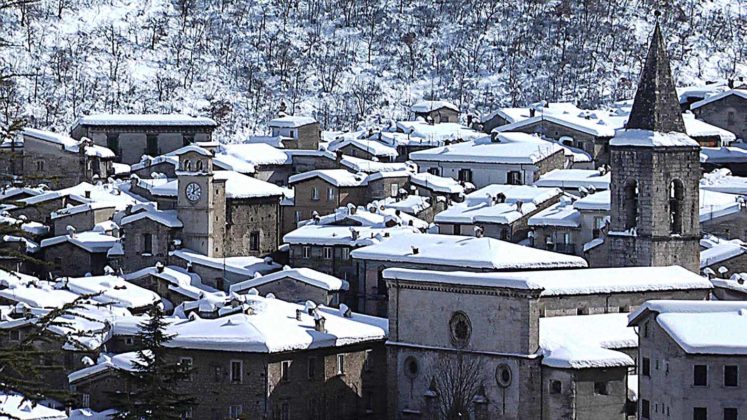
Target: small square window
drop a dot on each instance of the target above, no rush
(700, 413)
(284, 370)
(345, 254)
(556, 387)
(185, 364)
(307, 252)
(15, 335)
(237, 368)
(368, 363)
(235, 411)
(731, 375)
(731, 413)
(600, 388)
(129, 341)
(700, 375)
(327, 253)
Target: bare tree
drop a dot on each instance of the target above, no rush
(458, 380)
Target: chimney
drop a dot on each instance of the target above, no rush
(519, 203)
(415, 250)
(479, 232)
(532, 112)
(500, 198)
(338, 156)
(299, 314)
(159, 267)
(87, 193)
(319, 324)
(731, 83)
(354, 234)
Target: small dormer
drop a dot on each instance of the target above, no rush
(195, 160)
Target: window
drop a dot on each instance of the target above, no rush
(676, 200)
(185, 364)
(394, 190)
(291, 133)
(129, 341)
(284, 367)
(234, 411)
(599, 224)
(187, 414)
(556, 387)
(434, 171)
(645, 409)
(731, 375)
(307, 252)
(340, 364)
(330, 194)
(514, 178)
(285, 411)
(152, 148)
(237, 368)
(370, 404)
(730, 120)
(40, 165)
(219, 283)
(368, 362)
(600, 388)
(311, 368)
(345, 253)
(254, 241)
(646, 367)
(15, 335)
(731, 413)
(645, 329)
(147, 243)
(631, 204)
(217, 373)
(297, 216)
(315, 193)
(411, 367)
(465, 175)
(85, 400)
(700, 375)
(700, 413)
(112, 142)
(327, 253)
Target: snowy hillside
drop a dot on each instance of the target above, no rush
(341, 60)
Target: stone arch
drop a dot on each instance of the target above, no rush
(630, 203)
(676, 205)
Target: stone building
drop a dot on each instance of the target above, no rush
(148, 235)
(727, 110)
(692, 360)
(655, 176)
(61, 161)
(496, 211)
(82, 217)
(563, 350)
(296, 132)
(297, 285)
(130, 136)
(76, 254)
(258, 361)
(436, 111)
(509, 158)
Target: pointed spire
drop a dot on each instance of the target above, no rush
(656, 107)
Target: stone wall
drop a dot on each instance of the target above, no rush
(244, 216)
(66, 259)
(82, 221)
(133, 244)
(717, 113)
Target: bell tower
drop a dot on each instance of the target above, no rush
(201, 202)
(655, 176)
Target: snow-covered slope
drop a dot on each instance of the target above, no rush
(343, 60)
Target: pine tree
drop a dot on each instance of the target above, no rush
(152, 384)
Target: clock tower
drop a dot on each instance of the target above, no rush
(201, 202)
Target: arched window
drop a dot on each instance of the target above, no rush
(198, 165)
(631, 204)
(676, 198)
(187, 165)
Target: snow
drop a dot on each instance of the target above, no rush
(570, 355)
(437, 183)
(428, 106)
(93, 242)
(721, 180)
(372, 216)
(291, 122)
(513, 115)
(559, 214)
(247, 266)
(328, 235)
(464, 251)
(423, 134)
(368, 166)
(593, 244)
(609, 331)
(270, 326)
(481, 207)
(14, 407)
(698, 128)
(714, 205)
(721, 155)
(412, 205)
(574, 179)
(255, 153)
(181, 281)
(237, 186)
(509, 148)
(69, 144)
(82, 208)
(597, 201)
(138, 120)
(122, 361)
(700, 91)
(741, 93)
(106, 193)
(373, 147)
(167, 218)
(597, 127)
(336, 177)
(303, 275)
(705, 332)
(589, 281)
(7, 192)
(33, 292)
(719, 251)
(111, 290)
(646, 138)
(193, 148)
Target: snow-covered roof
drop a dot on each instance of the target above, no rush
(445, 185)
(291, 121)
(647, 138)
(304, 275)
(167, 218)
(122, 361)
(574, 179)
(108, 193)
(94, 242)
(181, 281)
(412, 204)
(698, 128)
(591, 281)
(464, 251)
(373, 147)
(517, 114)
(716, 155)
(721, 180)
(111, 290)
(193, 148)
(598, 201)
(255, 153)
(701, 327)
(509, 148)
(719, 250)
(428, 106)
(424, 134)
(138, 120)
(353, 236)
(270, 326)
(82, 208)
(596, 125)
(559, 214)
(247, 266)
(715, 204)
(742, 93)
(373, 215)
(369, 166)
(482, 206)
(589, 341)
(336, 177)
(7, 192)
(68, 143)
(701, 91)
(16, 406)
(32, 291)
(237, 186)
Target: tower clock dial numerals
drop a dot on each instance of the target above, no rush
(193, 191)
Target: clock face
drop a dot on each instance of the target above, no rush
(193, 191)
